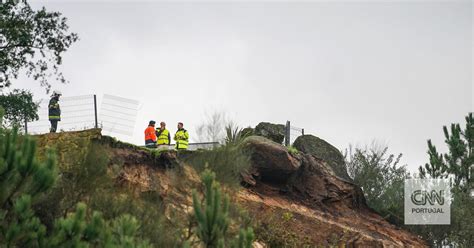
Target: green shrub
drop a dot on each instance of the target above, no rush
(292, 150)
(147, 207)
(79, 229)
(272, 229)
(78, 181)
(226, 161)
(235, 134)
(381, 178)
(156, 152)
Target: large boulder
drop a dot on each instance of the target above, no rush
(275, 132)
(271, 162)
(303, 176)
(315, 146)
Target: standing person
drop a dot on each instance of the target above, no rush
(181, 137)
(163, 136)
(54, 112)
(150, 135)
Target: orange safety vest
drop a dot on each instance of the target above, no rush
(150, 133)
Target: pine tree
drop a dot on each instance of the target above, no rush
(77, 230)
(458, 164)
(459, 161)
(23, 179)
(212, 216)
(212, 212)
(245, 239)
(20, 172)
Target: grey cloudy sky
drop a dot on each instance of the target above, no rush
(346, 72)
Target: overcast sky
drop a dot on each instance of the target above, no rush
(346, 72)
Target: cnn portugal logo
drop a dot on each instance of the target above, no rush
(427, 202)
(423, 197)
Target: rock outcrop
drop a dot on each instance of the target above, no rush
(322, 203)
(275, 132)
(304, 177)
(317, 147)
(309, 144)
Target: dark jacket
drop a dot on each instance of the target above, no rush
(54, 111)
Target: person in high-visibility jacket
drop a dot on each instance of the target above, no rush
(54, 112)
(163, 136)
(150, 135)
(181, 137)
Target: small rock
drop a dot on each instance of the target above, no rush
(258, 244)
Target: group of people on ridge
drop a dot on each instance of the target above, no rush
(160, 137)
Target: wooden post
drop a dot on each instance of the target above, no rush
(287, 133)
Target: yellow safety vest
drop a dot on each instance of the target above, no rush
(163, 139)
(181, 137)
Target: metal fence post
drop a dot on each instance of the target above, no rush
(95, 111)
(26, 126)
(287, 133)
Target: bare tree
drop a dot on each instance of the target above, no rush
(213, 127)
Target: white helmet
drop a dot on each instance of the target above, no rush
(57, 93)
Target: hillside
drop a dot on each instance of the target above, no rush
(291, 199)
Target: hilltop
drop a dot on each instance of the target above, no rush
(293, 199)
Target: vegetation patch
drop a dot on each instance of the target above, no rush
(226, 161)
(293, 151)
